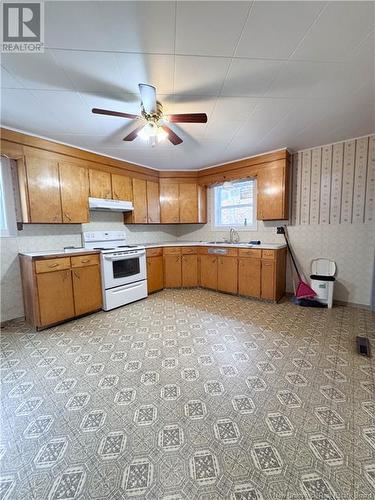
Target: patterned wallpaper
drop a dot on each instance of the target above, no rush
(334, 184)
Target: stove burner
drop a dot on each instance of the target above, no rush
(101, 248)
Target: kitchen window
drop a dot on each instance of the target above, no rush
(234, 205)
(8, 225)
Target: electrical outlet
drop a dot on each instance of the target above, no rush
(280, 230)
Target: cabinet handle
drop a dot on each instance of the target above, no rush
(115, 195)
(53, 265)
(85, 260)
(67, 216)
(76, 275)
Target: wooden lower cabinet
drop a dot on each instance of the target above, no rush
(60, 288)
(55, 296)
(155, 275)
(172, 271)
(208, 274)
(87, 289)
(249, 269)
(189, 269)
(227, 274)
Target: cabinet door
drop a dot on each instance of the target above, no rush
(249, 276)
(227, 274)
(172, 271)
(44, 190)
(87, 289)
(189, 270)
(188, 199)
(268, 279)
(153, 202)
(139, 216)
(272, 192)
(122, 188)
(100, 184)
(155, 278)
(74, 184)
(169, 207)
(55, 294)
(208, 267)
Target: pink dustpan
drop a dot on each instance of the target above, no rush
(304, 291)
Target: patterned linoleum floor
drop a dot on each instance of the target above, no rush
(190, 395)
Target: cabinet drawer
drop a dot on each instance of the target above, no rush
(269, 254)
(48, 265)
(85, 260)
(154, 252)
(250, 252)
(172, 251)
(189, 250)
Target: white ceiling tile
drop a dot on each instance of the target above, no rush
(274, 29)
(8, 81)
(199, 76)
(233, 108)
(341, 26)
(209, 28)
(249, 77)
(224, 129)
(21, 110)
(90, 71)
(298, 79)
(36, 71)
(110, 25)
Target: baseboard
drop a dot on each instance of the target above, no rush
(343, 303)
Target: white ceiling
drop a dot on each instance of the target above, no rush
(268, 75)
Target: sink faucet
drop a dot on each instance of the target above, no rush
(234, 237)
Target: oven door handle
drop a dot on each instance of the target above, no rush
(125, 257)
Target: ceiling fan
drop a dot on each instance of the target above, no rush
(153, 126)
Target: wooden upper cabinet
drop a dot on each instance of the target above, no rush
(122, 188)
(74, 185)
(169, 203)
(100, 184)
(273, 191)
(43, 187)
(153, 202)
(188, 200)
(139, 201)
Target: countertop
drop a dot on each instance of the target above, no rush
(59, 253)
(264, 246)
(81, 251)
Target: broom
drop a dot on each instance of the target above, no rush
(303, 290)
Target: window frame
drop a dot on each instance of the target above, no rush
(7, 199)
(241, 227)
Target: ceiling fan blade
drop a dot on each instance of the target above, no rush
(113, 113)
(134, 133)
(148, 97)
(171, 135)
(187, 118)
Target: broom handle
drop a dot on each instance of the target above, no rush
(291, 253)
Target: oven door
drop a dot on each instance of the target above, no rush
(123, 269)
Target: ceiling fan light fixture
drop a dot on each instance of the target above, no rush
(152, 133)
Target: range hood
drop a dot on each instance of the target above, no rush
(110, 205)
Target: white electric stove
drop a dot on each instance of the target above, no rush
(124, 272)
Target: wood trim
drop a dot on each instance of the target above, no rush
(17, 141)
(14, 145)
